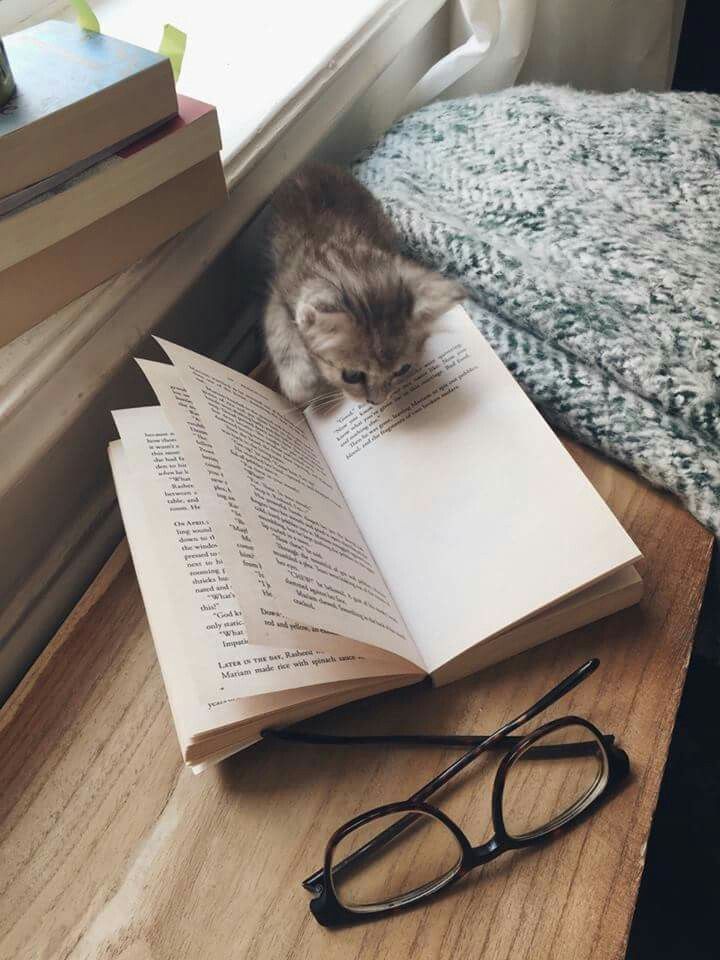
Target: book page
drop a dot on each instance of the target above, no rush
(477, 515)
(237, 720)
(192, 573)
(290, 546)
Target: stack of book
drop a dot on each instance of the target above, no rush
(100, 163)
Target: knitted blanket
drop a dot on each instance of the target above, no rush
(586, 228)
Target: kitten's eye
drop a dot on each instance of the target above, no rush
(353, 376)
(405, 368)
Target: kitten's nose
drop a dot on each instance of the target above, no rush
(376, 395)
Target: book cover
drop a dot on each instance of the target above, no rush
(57, 64)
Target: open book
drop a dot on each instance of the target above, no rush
(290, 562)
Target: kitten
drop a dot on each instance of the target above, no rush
(347, 312)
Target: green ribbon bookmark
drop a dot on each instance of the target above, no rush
(84, 16)
(172, 46)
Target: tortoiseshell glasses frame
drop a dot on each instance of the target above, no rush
(328, 907)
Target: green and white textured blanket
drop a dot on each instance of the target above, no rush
(586, 228)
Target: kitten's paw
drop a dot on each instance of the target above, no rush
(298, 388)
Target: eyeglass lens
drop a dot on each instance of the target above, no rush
(419, 859)
(552, 781)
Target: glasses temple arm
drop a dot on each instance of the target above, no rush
(422, 740)
(400, 739)
(558, 691)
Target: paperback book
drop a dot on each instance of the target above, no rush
(292, 561)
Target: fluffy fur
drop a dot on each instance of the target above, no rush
(346, 312)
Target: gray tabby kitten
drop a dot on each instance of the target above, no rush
(347, 312)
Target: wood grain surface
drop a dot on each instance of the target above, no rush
(110, 848)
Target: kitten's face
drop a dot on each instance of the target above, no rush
(364, 367)
(367, 333)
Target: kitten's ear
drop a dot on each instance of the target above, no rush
(305, 317)
(320, 329)
(434, 294)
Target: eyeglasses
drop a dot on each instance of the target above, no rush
(394, 856)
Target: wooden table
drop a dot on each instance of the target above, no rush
(110, 848)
